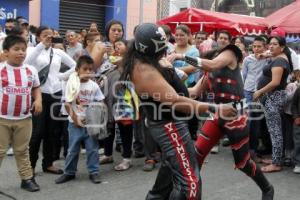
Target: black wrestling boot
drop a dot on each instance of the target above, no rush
(269, 195)
(265, 186)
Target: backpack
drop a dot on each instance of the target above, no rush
(127, 104)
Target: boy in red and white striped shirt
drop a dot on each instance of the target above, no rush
(18, 82)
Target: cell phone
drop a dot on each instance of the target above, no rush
(56, 40)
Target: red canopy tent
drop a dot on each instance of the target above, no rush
(286, 18)
(209, 21)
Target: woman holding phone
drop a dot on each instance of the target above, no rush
(44, 57)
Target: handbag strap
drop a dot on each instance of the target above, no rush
(51, 56)
(48, 66)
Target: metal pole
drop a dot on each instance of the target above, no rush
(141, 11)
(216, 5)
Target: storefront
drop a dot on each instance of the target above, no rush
(76, 14)
(13, 9)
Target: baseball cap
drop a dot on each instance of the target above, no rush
(23, 21)
(278, 32)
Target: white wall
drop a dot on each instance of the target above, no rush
(176, 5)
(35, 12)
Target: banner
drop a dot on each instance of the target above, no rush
(13, 9)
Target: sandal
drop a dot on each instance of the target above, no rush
(271, 168)
(105, 160)
(124, 165)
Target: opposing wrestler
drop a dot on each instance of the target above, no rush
(223, 84)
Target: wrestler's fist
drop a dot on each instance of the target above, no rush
(227, 112)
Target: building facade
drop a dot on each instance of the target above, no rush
(247, 7)
(261, 8)
(76, 14)
(12, 9)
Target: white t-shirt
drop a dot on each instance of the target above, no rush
(2, 38)
(89, 93)
(295, 59)
(16, 84)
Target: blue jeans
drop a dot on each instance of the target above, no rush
(254, 125)
(76, 136)
(249, 96)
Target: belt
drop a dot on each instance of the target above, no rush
(241, 106)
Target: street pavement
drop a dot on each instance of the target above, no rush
(220, 182)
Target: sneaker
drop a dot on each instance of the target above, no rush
(105, 160)
(95, 178)
(101, 151)
(149, 165)
(10, 152)
(215, 149)
(83, 151)
(124, 165)
(30, 185)
(64, 178)
(297, 169)
(225, 142)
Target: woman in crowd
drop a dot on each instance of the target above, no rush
(90, 47)
(182, 46)
(271, 92)
(100, 51)
(126, 133)
(42, 56)
(182, 35)
(240, 43)
(114, 31)
(93, 27)
(159, 87)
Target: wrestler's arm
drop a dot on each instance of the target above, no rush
(189, 69)
(148, 80)
(199, 88)
(226, 58)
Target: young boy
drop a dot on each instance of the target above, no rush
(17, 83)
(88, 92)
(251, 71)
